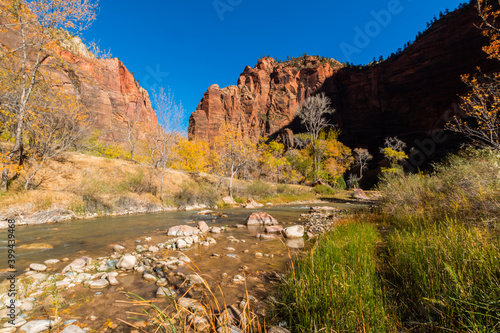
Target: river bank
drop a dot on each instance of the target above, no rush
(227, 255)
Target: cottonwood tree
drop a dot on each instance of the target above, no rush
(60, 123)
(362, 157)
(481, 105)
(393, 151)
(162, 140)
(234, 152)
(130, 125)
(313, 115)
(34, 28)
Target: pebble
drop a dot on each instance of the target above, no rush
(39, 277)
(149, 277)
(215, 230)
(215, 255)
(258, 255)
(231, 255)
(191, 304)
(200, 324)
(112, 280)
(238, 279)
(230, 249)
(38, 267)
(228, 329)
(195, 279)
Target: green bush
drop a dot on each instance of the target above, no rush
(324, 190)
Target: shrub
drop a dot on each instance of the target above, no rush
(324, 190)
(138, 183)
(196, 193)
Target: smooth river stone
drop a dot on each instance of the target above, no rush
(37, 326)
(127, 262)
(51, 262)
(38, 267)
(98, 284)
(165, 292)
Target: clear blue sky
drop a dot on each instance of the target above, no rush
(189, 45)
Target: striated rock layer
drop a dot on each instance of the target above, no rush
(410, 95)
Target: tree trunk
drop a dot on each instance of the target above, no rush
(5, 179)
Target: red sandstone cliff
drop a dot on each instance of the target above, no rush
(409, 95)
(105, 86)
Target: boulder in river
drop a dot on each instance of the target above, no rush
(183, 230)
(261, 218)
(297, 231)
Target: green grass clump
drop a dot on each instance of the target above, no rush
(335, 286)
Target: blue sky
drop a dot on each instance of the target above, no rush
(189, 45)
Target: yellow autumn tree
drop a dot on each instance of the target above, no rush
(336, 157)
(272, 159)
(34, 28)
(193, 156)
(481, 105)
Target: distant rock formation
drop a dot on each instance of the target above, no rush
(410, 95)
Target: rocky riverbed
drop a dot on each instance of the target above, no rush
(195, 276)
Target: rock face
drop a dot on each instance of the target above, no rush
(409, 95)
(106, 87)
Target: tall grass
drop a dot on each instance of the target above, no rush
(335, 286)
(447, 277)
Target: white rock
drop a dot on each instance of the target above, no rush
(153, 249)
(149, 277)
(199, 323)
(190, 304)
(98, 284)
(182, 230)
(51, 262)
(195, 279)
(127, 262)
(203, 226)
(37, 326)
(181, 244)
(8, 330)
(112, 280)
(72, 329)
(261, 218)
(38, 267)
(77, 264)
(26, 305)
(165, 292)
(296, 231)
(215, 230)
